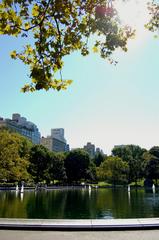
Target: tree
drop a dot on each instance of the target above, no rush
(154, 151)
(14, 154)
(152, 166)
(133, 155)
(153, 24)
(56, 29)
(98, 159)
(39, 158)
(56, 169)
(91, 173)
(77, 165)
(113, 170)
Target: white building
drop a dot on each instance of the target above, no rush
(56, 142)
(22, 126)
(53, 144)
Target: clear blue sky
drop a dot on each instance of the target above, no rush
(106, 105)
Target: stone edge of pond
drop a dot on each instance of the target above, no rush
(79, 224)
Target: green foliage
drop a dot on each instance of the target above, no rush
(20, 160)
(58, 28)
(102, 184)
(152, 164)
(91, 172)
(153, 24)
(78, 165)
(45, 165)
(39, 158)
(98, 159)
(113, 170)
(14, 154)
(154, 151)
(133, 155)
(139, 183)
(55, 168)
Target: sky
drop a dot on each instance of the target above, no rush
(107, 105)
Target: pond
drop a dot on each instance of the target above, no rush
(80, 203)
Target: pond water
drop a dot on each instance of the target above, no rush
(80, 203)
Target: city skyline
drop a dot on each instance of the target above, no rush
(26, 128)
(107, 105)
(56, 134)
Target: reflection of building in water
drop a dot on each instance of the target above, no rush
(153, 188)
(129, 197)
(21, 196)
(22, 126)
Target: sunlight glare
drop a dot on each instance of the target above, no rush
(133, 13)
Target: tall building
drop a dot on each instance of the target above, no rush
(90, 148)
(56, 142)
(22, 126)
(98, 150)
(58, 133)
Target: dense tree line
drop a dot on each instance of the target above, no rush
(20, 160)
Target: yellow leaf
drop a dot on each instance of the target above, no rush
(95, 49)
(7, 28)
(13, 54)
(35, 10)
(27, 25)
(69, 81)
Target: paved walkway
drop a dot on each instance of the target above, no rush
(86, 235)
(79, 224)
(91, 229)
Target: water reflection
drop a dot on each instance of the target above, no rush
(80, 203)
(21, 196)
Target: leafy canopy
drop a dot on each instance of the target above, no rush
(114, 170)
(56, 28)
(14, 155)
(133, 155)
(77, 165)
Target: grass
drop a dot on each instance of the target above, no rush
(139, 183)
(102, 184)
